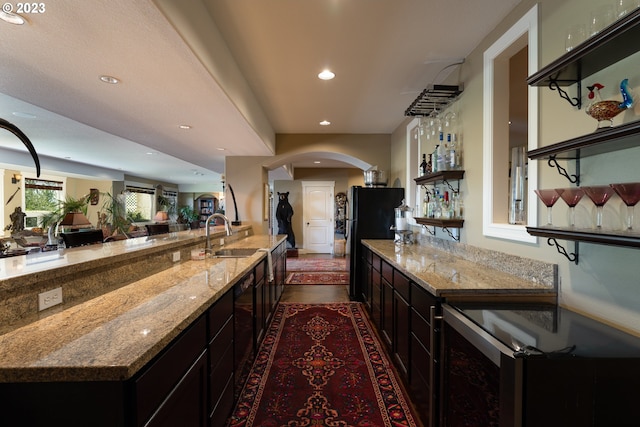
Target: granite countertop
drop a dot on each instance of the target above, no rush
(87, 257)
(109, 338)
(449, 276)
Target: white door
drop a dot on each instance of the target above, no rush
(317, 216)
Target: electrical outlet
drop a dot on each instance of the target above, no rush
(246, 232)
(176, 256)
(222, 242)
(49, 298)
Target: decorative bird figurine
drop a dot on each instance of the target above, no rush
(607, 110)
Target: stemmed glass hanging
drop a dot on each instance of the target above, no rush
(630, 195)
(571, 197)
(599, 195)
(549, 198)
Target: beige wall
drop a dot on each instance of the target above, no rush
(248, 177)
(343, 178)
(373, 149)
(75, 187)
(604, 284)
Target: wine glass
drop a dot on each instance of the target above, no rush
(549, 198)
(571, 197)
(599, 195)
(630, 195)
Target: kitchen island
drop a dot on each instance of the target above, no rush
(103, 351)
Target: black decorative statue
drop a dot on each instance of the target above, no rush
(284, 212)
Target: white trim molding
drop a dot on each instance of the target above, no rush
(525, 29)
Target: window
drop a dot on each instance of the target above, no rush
(519, 39)
(139, 203)
(41, 196)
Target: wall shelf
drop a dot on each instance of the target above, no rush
(599, 142)
(439, 176)
(614, 43)
(604, 237)
(432, 99)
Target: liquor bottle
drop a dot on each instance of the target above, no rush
(452, 157)
(434, 160)
(423, 165)
(440, 153)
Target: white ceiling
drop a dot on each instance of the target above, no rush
(384, 52)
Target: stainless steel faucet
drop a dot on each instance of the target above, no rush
(227, 228)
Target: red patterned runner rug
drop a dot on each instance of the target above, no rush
(316, 264)
(318, 278)
(321, 365)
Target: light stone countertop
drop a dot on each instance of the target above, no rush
(87, 257)
(449, 276)
(114, 335)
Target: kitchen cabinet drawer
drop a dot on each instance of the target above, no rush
(186, 405)
(421, 329)
(420, 380)
(156, 382)
(402, 285)
(219, 314)
(422, 301)
(375, 261)
(220, 375)
(224, 406)
(260, 270)
(218, 346)
(387, 271)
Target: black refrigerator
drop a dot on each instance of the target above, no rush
(371, 215)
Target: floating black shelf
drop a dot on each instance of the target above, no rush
(605, 237)
(599, 142)
(614, 43)
(439, 222)
(439, 176)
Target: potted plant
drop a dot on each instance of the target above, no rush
(69, 205)
(188, 215)
(113, 216)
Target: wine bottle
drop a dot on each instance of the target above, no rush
(423, 165)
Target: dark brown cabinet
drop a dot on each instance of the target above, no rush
(423, 378)
(180, 369)
(220, 346)
(192, 382)
(404, 314)
(387, 310)
(401, 321)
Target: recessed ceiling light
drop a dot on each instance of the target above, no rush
(184, 127)
(23, 115)
(221, 149)
(325, 123)
(109, 79)
(317, 162)
(8, 16)
(326, 75)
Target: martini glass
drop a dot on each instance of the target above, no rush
(571, 197)
(599, 195)
(549, 198)
(630, 195)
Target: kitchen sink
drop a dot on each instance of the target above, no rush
(234, 253)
